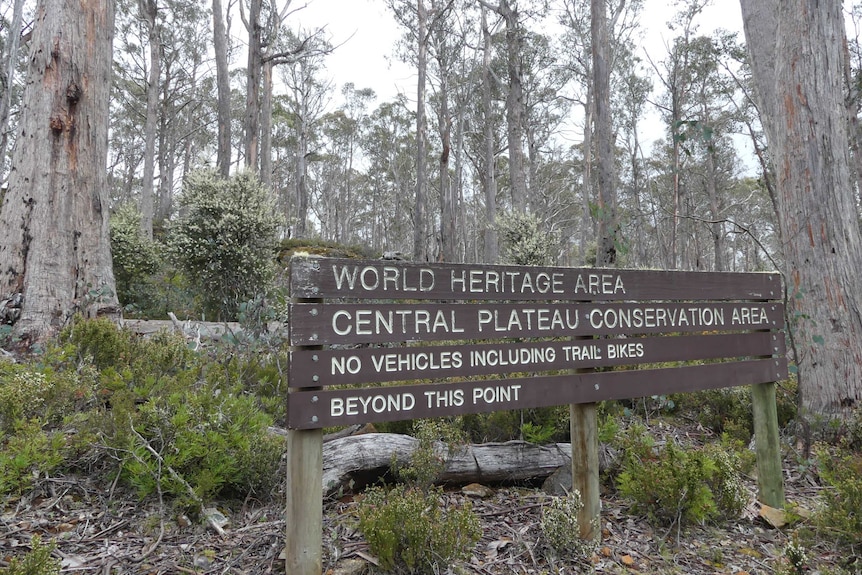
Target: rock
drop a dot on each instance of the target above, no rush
(477, 490)
(559, 482)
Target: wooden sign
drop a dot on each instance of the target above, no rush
(322, 367)
(383, 341)
(316, 324)
(311, 409)
(392, 280)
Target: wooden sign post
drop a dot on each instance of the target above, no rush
(362, 330)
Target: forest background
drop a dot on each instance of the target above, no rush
(159, 157)
(524, 143)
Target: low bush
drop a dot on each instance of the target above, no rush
(674, 484)
(559, 525)
(38, 561)
(174, 421)
(840, 518)
(409, 530)
(406, 526)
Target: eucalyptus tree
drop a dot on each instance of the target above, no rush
(309, 95)
(675, 75)
(621, 24)
(148, 11)
(631, 90)
(10, 59)
(348, 203)
(488, 174)
(158, 101)
(55, 255)
(446, 43)
(264, 21)
(544, 76)
(798, 62)
(607, 232)
(389, 146)
(221, 49)
(513, 19)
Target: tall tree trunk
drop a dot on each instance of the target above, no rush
(252, 88)
(716, 227)
(797, 61)
(149, 14)
(515, 106)
(54, 248)
(489, 181)
(608, 228)
(448, 234)
(301, 160)
(223, 87)
(266, 126)
(9, 63)
(419, 210)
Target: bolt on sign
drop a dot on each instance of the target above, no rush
(381, 340)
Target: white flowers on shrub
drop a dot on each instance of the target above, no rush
(225, 239)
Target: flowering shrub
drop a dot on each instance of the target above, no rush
(225, 239)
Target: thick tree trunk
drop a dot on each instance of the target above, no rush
(54, 248)
(223, 86)
(797, 59)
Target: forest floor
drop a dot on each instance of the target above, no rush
(102, 529)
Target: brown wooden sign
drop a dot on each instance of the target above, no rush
(317, 324)
(392, 280)
(323, 367)
(459, 330)
(312, 409)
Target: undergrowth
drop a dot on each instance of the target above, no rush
(171, 421)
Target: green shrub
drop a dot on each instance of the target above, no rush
(427, 462)
(27, 453)
(674, 484)
(215, 439)
(841, 515)
(136, 258)
(172, 418)
(225, 239)
(38, 561)
(408, 529)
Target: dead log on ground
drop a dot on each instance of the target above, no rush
(361, 459)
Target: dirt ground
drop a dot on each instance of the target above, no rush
(101, 529)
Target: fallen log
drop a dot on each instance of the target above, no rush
(355, 461)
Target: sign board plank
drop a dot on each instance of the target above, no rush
(321, 408)
(312, 368)
(312, 277)
(318, 324)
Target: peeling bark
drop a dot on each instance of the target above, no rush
(54, 248)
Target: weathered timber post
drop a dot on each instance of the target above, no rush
(770, 482)
(304, 493)
(585, 467)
